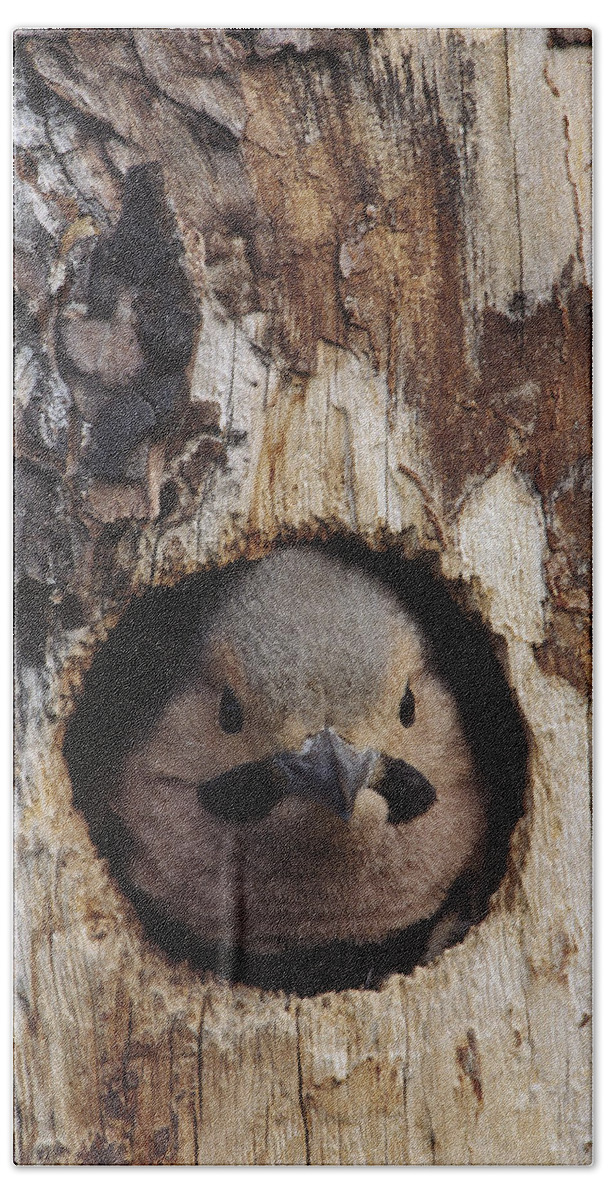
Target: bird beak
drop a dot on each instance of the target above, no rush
(327, 770)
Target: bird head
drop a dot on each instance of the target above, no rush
(309, 663)
(301, 778)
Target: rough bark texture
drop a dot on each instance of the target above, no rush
(378, 246)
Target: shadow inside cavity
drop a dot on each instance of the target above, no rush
(133, 676)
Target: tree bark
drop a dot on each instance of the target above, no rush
(379, 245)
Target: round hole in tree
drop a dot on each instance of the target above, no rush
(303, 770)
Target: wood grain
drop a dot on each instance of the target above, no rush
(388, 238)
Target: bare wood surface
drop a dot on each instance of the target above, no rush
(388, 239)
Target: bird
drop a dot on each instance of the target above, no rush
(301, 804)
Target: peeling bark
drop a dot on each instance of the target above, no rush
(377, 245)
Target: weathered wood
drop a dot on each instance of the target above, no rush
(387, 238)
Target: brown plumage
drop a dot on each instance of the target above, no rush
(304, 771)
(302, 644)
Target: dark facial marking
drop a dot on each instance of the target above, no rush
(407, 790)
(245, 793)
(407, 708)
(231, 712)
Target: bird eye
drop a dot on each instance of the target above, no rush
(231, 712)
(407, 708)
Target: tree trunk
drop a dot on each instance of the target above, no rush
(382, 269)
